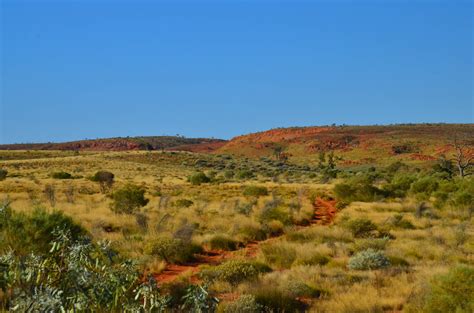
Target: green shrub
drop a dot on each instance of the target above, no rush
(172, 250)
(244, 304)
(199, 178)
(234, 271)
(251, 232)
(424, 187)
(220, 242)
(33, 232)
(3, 174)
(61, 175)
(183, 203)
(360, 227)
(274, 228)
(398, 261)
(244, 174)
(452, 292)
(369, 259)
(255, 191)
(128, 199)
(276, 300)
(278, 254)
(105, 180)
(399, 185)
(399, 222)
(358, 189)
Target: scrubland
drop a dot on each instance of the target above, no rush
(243, 231)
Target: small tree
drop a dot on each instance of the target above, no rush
(128, 199)
(105, 180)
(463, 157)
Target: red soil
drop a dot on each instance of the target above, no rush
(324, 213)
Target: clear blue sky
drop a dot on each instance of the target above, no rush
(88, 69)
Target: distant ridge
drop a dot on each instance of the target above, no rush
(126, 143)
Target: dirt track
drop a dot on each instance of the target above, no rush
(324, 213)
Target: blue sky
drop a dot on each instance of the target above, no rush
(89, 69)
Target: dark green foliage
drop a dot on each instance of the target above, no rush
(128, 199)
(452, 292)
(424, 187)
(255, 191)
(105, 180)
(399, 185)
(3, 174)
(244, 174)
(33, 232)
(172, 250)
(220, 242)
(75, 275)
(234, 271)
(360, 227)
(183, 203)
(198, 300)
(358, 189)
(199, 178)
(61, 175)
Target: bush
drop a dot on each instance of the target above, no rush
(199, 178)
(234, 271)
(220, 242)
(452, 292)
(276, 300)
(255, 191)
(360, 227)
(274, 228)
(424, 187)
(244, 304)
(183, 203)
(61, 175)
(251, 232)
(280, 255)
(399, 222)
(3, 174)
(358, 189)
(399, 185)
(369, 259)
(128, 199)
(105, 180)
(172, 250)
(244, 174)
(33, 232)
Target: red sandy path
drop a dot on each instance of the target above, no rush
(324, 213)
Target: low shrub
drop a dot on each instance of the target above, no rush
(399, 222)
(61, 175)
(172, 250)
(244, 304)
(234, 271)
(3, 174)
(128, 199)
(360, 227)
(358, 189)
(452, 292)
(199, 178)
(255, 191)
(183, 203)
(369, 259)
(251, 232)
(279, 254)
(244, 174)
(274, 228)
(105, 180)
(221, 242)
(398, 261)
(314, 259)
(276, 300)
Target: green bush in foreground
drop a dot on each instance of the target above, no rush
(368, 260)
(452, 292)
(128, 199)
(360, 227)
